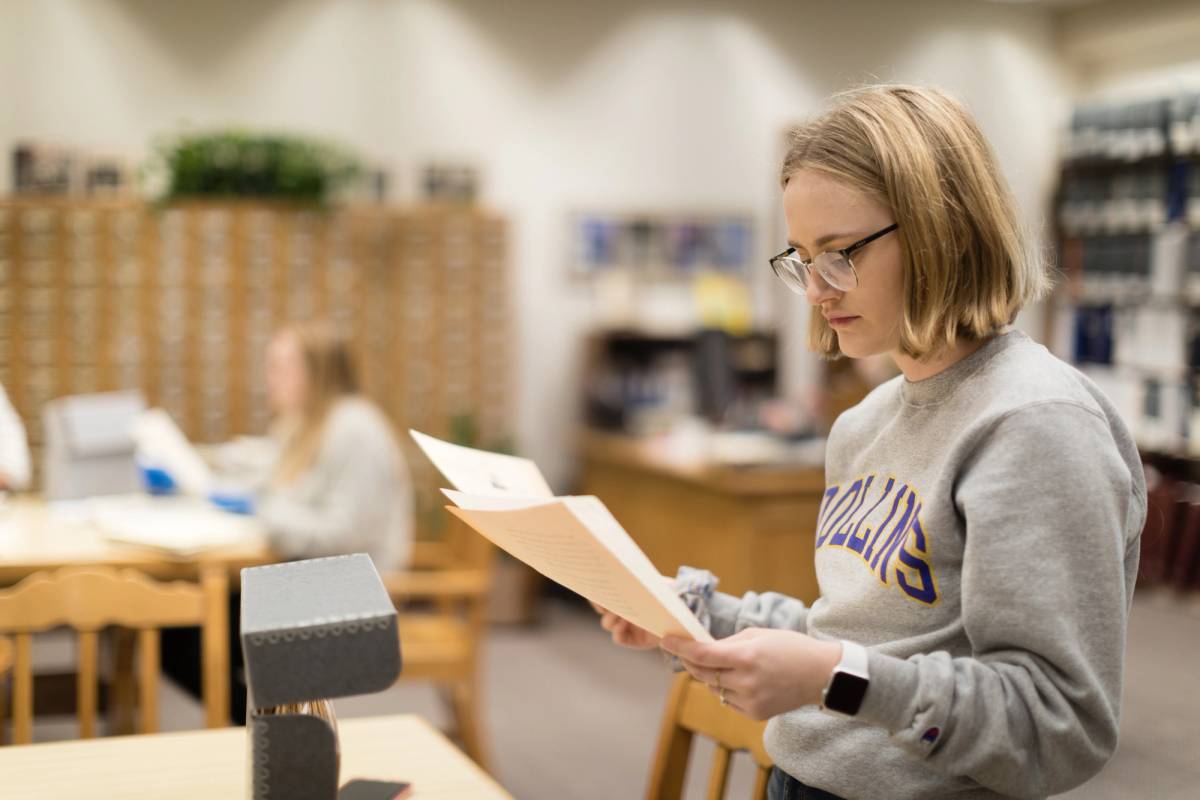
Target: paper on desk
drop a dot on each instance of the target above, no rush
(182, 526)
(160, 441)
(482, 473)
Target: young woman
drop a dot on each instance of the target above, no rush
(339, 484)
(978, 540)
(332, 480)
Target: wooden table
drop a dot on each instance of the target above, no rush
(753, 527)
(212, 764)
(33, 537)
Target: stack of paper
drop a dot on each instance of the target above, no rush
(574, 541)
(182, 526)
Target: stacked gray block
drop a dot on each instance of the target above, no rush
(310, 630)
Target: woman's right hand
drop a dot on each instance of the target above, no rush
(624, 632)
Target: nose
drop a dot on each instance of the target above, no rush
(818, 290)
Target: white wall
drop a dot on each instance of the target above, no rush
(565, 104)
(1117, 49)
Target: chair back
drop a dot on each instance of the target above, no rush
(89, 599)
(692, 710)
(6, 657)
(89, 447)
(443, 603)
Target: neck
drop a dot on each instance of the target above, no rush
(915, 369)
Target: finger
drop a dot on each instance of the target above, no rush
(730, 698)
(625, 633)
(732, 702)
(705, 674)
(694, 671)
(716, 655)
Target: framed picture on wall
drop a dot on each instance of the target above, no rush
(660, 245)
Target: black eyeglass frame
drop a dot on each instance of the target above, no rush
(843, 252)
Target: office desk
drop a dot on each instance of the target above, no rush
(753, 527)
(212, 764)
(33, 537)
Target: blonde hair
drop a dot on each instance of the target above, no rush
(967, 264)
(329, 369)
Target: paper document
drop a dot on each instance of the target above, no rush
(574, 541)
(182, 526)
(161, 443)
(484, 473)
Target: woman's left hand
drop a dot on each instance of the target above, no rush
(762, 672)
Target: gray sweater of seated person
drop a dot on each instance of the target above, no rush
(979, 535)
(355, 497)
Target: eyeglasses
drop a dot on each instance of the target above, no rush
(834, 266)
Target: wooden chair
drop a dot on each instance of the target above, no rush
(443, 602)
(93, 598)
(6, 658)
(693, 709)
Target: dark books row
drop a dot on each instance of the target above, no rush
(1133, 131)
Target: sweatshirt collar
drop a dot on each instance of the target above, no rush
(938, 387)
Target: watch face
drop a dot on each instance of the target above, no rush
(845, 693)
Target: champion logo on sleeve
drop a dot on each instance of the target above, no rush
(930, 736)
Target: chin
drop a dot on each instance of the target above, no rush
(854, 347)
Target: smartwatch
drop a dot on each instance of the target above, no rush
(848, 684)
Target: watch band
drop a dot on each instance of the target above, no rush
(854, 659)
(849, 682)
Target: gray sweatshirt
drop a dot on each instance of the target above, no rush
(979, 535)
(356, 496)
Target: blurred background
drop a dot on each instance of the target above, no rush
(543, 229)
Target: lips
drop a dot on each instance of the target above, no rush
(837, 320)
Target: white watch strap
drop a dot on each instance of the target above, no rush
(854, 660)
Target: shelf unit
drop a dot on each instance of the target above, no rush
(180, 302)
(1128, 220)
(1128, 312)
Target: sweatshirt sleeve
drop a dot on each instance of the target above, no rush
(300, 526)
(725, 614)
(14, 449)
(1052, 517)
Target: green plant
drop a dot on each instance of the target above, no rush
(240, 164)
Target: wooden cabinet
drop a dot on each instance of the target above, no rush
(179, 302)
(752, 527)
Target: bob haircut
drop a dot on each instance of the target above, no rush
(968, 266)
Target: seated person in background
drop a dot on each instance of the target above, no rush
(14, 450)
(332, 481)
(339, 483)
(13, 447)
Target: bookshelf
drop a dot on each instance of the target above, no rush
(1128, 311)
(1128, 221)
